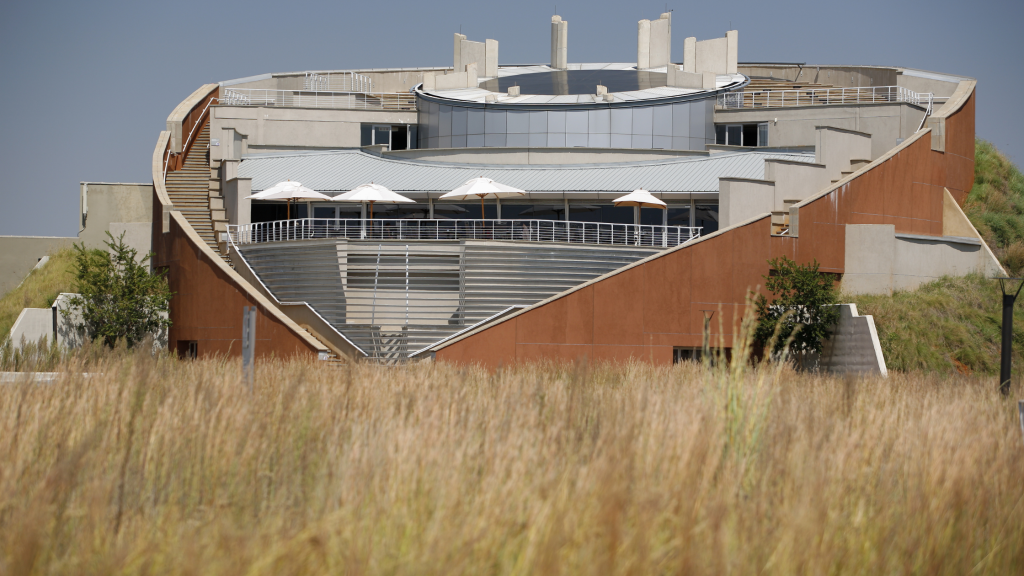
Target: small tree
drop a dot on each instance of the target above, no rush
(117, 294)
(803, 305)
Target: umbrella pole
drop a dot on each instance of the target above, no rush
(289, 216)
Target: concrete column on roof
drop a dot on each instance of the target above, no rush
(660, 49)
(643, 45)
(458, 52)
(732, 39)
(690, 55)
(491, 58)
(559, 43)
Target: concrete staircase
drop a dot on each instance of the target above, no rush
(195, 192)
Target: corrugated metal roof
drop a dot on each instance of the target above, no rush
(343, 170)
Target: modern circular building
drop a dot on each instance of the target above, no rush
(587, 105)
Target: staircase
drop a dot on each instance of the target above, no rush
(195, 192)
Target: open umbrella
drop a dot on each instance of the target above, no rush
(482, 188)
(372, 193)
(640, 198)
(289, 191)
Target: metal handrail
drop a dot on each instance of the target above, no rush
(326, 82)
(822, 96)
(314, 98)
(191, 133)
(571, 232)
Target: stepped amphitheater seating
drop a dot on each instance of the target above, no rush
(393, 298)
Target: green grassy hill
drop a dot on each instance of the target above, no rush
(39, 289)
(954, 324)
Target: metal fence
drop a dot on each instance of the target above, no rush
(822, 96)
(317, 99)
(597, 233)
(337, 82)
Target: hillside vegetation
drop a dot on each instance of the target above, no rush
(39, 289)
(996, 205)
(158, 466)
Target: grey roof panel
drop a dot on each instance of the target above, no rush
(342, 170)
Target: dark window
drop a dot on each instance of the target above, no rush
(762, 134)
(749, 135)
(720, 134)
(365, 135)
(706, 217)
(188, 349)
(734, 134)
(685, 354)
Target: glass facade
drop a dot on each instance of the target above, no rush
(672, 126)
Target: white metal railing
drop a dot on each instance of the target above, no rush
(317, 99)
(822, 96)
(337, 82)
(191, 134)
(423, 229)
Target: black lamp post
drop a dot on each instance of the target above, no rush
(1004, 367)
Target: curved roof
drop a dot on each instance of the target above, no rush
(343, 170)
(567, 96)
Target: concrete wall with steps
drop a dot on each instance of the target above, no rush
(854, 347)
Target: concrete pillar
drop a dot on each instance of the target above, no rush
(458, 52)
(690, 55)
(559, 43)
(643, 45)
(661, 41)
(491, 58)
(732, 40)
(471, 75)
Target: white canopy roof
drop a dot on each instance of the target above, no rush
(641, 198)
(371, 193)
(289, 191)
(482, 188)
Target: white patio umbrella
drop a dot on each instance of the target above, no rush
(372, 193)
(640, 198)
(482, 188)
(289, 191)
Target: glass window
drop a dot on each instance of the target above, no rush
(679, 214)
(556, 122)
(494, 140)
(466, 211)
(538, 122)
(538, 140)
(495, 122)
(475, 121)
(698, 120)
(663, 121)
(382, 135)
(681, 120)
(662, 143)
(652, 216)
(750, 134)
(444, 122)
(552, 211)
(518, 140)
(599, 122)
(720, 134)
(642, 141)
(762, 134)
(734, 134)
(460, 119)
(576, 140)
(621, 141)
(706, 217)
(518, 122)
(622, 121)
(599, 140)
(365, 135)
(576, 122)
(643, 119)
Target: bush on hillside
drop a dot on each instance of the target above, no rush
(118, 295)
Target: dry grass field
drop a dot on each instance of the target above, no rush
(157, 466)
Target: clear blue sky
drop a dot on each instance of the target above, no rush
(87, 86)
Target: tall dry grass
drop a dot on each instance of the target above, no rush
(166, 467)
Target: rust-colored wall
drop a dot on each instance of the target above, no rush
(207, 303)
(644, 311)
